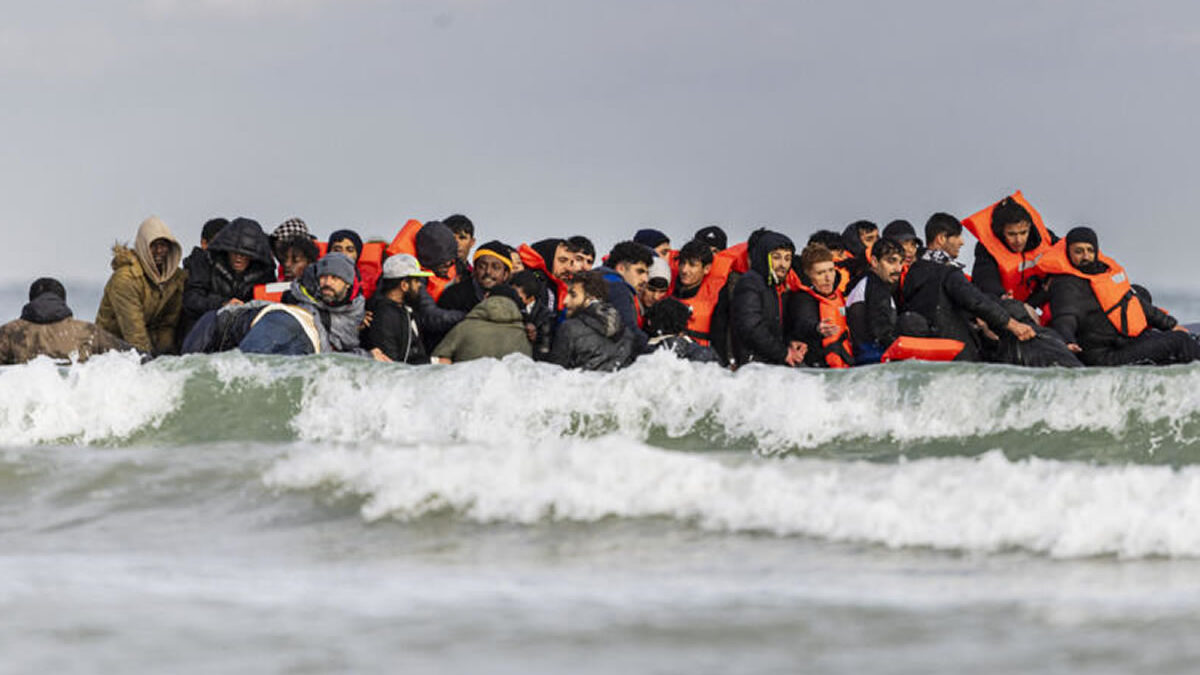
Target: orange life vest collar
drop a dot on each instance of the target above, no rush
(1112, 289)
(534, 261)
(838, 351)
(1016, 269)
(405, 241)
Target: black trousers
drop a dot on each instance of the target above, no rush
(1158, 348)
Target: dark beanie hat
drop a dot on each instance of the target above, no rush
(347, 234)
(47, 285)
(1083, 234)
(436, 244)
(651, 238)
(900, 230)
(713, 236)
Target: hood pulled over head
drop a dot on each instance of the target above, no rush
(152, 229)
(764, 242)
(246, 237)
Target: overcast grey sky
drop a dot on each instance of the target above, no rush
(539, 118)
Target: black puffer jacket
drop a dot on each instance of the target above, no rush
(940, 293)
(211, 280)
(1077, 316)
(756, 309)
(594, 339)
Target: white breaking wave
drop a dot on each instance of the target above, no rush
(346, 400)
(109, 397)
(985, 503)
(780, 409)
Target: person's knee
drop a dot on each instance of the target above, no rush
(913, 324)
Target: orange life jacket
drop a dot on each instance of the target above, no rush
(704, 302)
(534, 261)
(1120, 305)
(405, 241)
(1017, 270)
(843, 280)
(838, 351)
(370, 266)
(922, 349)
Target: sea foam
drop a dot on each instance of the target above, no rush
(986, 503)
(773, 409)
(1117, 414)
(107, 398)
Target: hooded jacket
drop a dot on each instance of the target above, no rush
(539, 257)
(141, 305)
(493, 329)
(757, 306)
(211, 280)
(594, 339)
(336, 324)
(940, 292)
(46, 328)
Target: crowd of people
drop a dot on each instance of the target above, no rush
(856, 296)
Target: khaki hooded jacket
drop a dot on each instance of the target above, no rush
(141, 305)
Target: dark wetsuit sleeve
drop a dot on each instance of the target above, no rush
(1158, 318)
(1064, 307)
(805, 318)
(986, 273)
(435, 320)
(972, 300)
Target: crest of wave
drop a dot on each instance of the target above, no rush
(109, 397)
(984, 503)
(490, 401)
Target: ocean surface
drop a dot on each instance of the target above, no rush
(238, 514)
